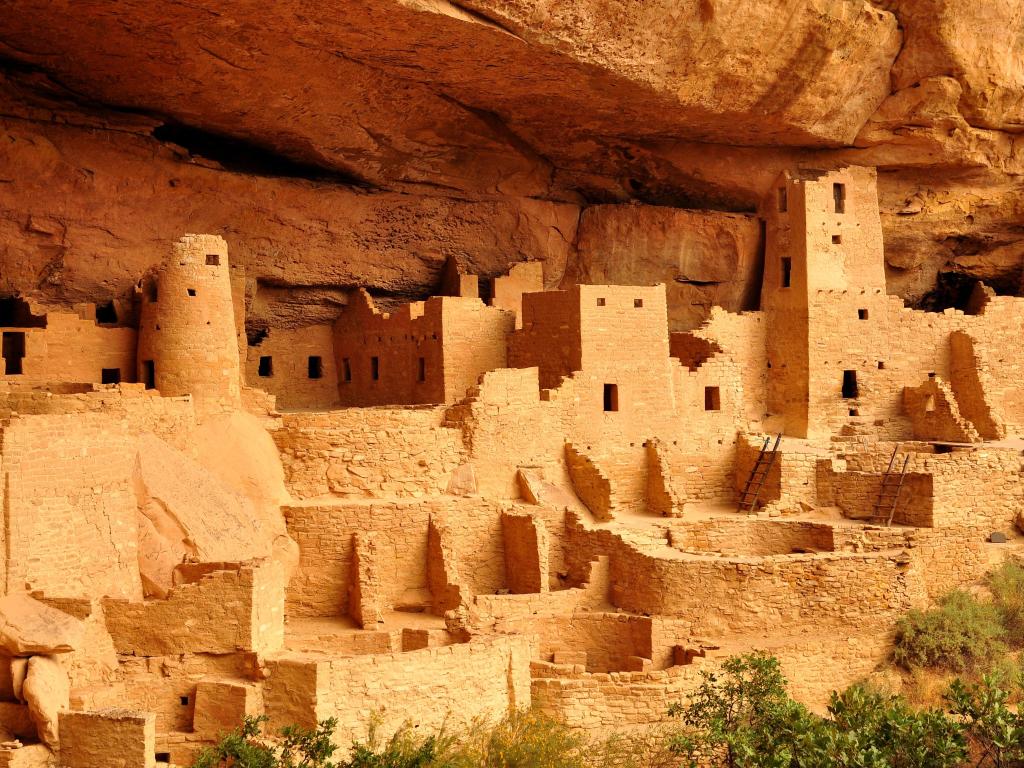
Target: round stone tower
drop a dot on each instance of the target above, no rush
(187, 335)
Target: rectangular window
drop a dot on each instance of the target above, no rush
(929, 404)
(862, 314)
(266, 369)
(149, 374)
(611, 397)
(110, 376)
(839, 197)
(212, 260)
(191, 291)
(638, 303)
(315, 367)
(600, 302)
(14, 352)
(783, 200)
(421, 375)
(375, 368)
(712, 399)
(787, 272)
(837, 239)
(850, 385)
(346, 369)
(153, 292)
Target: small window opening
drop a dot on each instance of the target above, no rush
(929, 404)
(162, 757)
(152, 293)
(184, 701)
(611, 397)
(106, 314)
(787, 271)
(783, 200)
(316, 367)
(346, 369)
(600, 302)
(839, 197)
(212, 260)
(931, 374)
(13, 352)
(421, 375)
(712, 399)
(375, 368)
(854, 412)
(266, 367)
(110, 376)
(191, 291)
(862, 314)
(837, 239)
(638, 303)
(849, 384)
(881, 365)
(149, 374)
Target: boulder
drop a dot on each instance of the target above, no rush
(47, 691)
(29, 627)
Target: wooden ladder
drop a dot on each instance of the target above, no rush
(889, 490)
(763, 465)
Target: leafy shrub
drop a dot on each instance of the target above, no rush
(960, 634)
(742, 717)
(522, 739)
(295, 747)
(1007, 586)
(996, 731)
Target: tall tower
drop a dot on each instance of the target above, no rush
(823, 251)
(187, 336)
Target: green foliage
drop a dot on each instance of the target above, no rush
(1007, 586)
(295, 747)
(742, 717)
(960, 634)
(996, 731)
(522, 739)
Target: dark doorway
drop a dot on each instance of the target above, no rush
(422, 374)
(375, 368)
(787, 272)
(850, 384)
(149, 374)
(110, 376)
(106, 314)
(266, 368)
(316, 367)
(346, 369)
(712, 399)
(14, 352)
(839, 197)
(611, 397)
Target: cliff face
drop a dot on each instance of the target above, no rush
(364, 143)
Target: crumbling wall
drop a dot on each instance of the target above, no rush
(214, 608)
(934, 411)
(320, 585)
(368, 452)
(447, 686)
(69, 506)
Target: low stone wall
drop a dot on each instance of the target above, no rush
(446, 686)
(320, 584)
(747, 536)
(368, 452)
(741, 594)
(604, 702)
(222, 608)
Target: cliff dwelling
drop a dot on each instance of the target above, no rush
(439, 404)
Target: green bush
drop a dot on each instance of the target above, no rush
(295, 747)
(1007, 586)
(960, 634)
